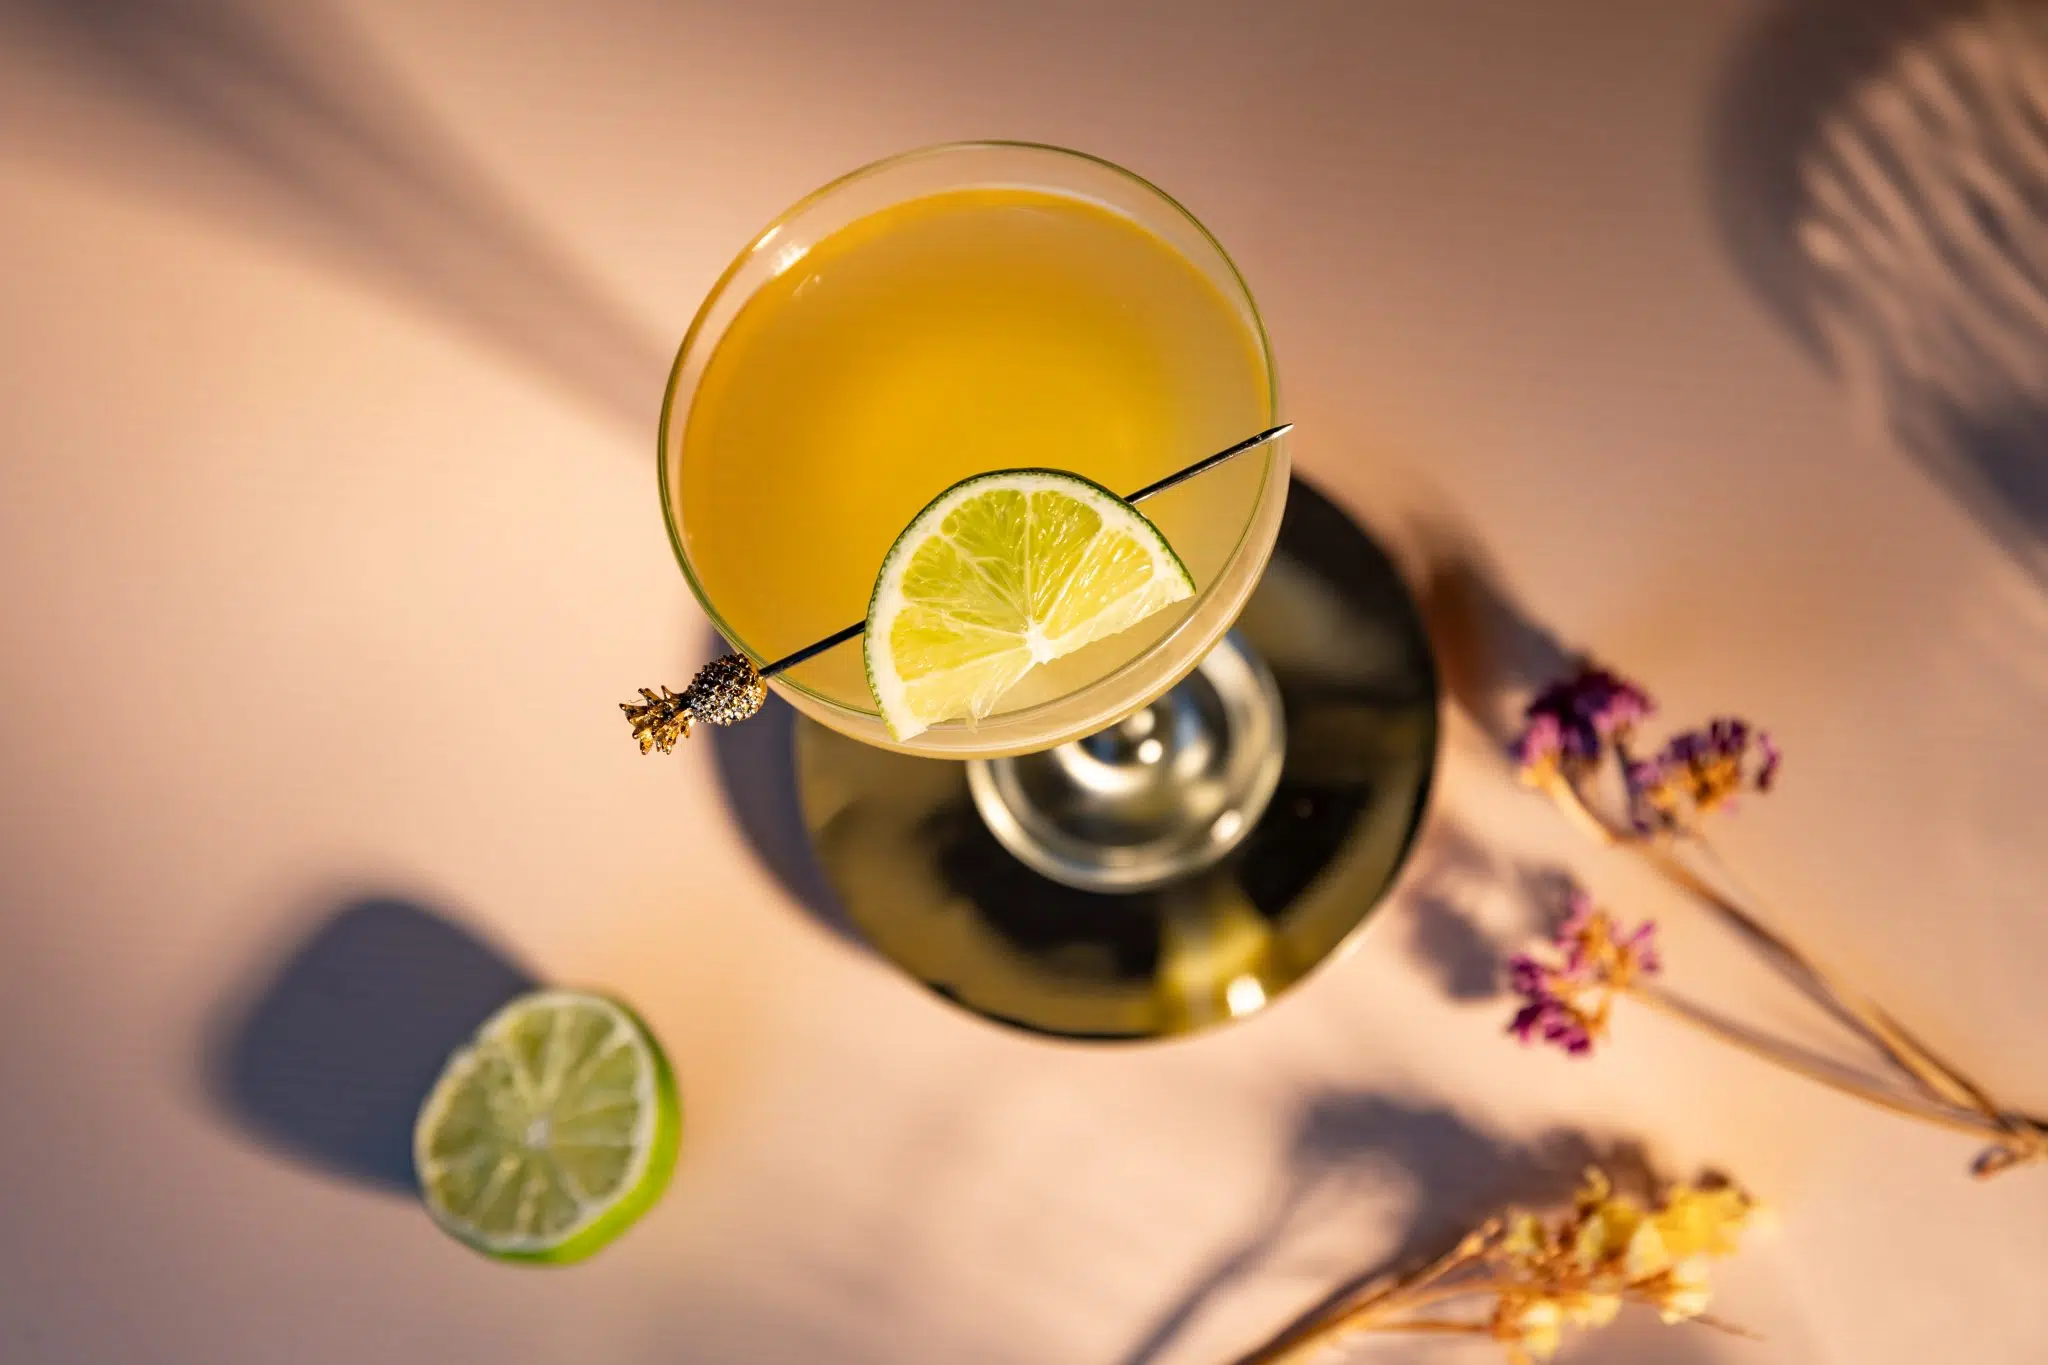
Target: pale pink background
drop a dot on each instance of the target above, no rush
(333, 338)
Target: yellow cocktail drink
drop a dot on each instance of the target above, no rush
(941, 337)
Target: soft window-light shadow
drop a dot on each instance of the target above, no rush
(1448, 939)
(1880, 174)
(328, 1059)
(282, 121)
(1454, 883)
(1492, 652)
(1452, 1172)
(756, 765)
(757, 779)
(1546, 894)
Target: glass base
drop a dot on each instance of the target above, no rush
(1163, 795)
(1326, 805)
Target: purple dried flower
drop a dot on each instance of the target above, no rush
(1527, 976)
(1641, 948)
(1566, 1003)
(1541, 744)
(1699, 770)
(1568, 1031)
(1569, 723)
(1771, 754)
(1579, 911)
(1554, 1022)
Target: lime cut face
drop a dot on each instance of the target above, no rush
(999, 574)
(551, 1132)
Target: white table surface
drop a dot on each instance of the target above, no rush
(333, 339)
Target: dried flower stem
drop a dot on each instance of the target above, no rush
(1859, 1009)
(1708, 1320)
(1559, 789)
(1967, 1121)
(1306, 1340)
(1939, 1076)
(1312, 1338)
(1417, 1289)
(1955, 1101)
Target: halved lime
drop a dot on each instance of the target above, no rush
(551, 1132)
(998, 574)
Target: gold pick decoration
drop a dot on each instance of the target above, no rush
(725, 691)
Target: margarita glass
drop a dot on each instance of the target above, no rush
(941, 314)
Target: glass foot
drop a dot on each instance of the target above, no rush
(1326, 806)
(1165, 794)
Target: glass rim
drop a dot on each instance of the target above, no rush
(670, 512)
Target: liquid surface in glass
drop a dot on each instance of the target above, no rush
(945, 337)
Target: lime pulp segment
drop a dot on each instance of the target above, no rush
(551, 1132)
(998, 574)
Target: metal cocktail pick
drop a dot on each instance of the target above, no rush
(728, 690)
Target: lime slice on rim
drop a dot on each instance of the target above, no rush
(998, 574)
(551, 1132)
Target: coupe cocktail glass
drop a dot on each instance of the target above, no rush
(967, 308)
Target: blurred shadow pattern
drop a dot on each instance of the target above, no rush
(1881, 175)
(330, 1059)
(1491, 652)
(756, 765)
(1454, 1175)
(1445, 935)
(282, 121)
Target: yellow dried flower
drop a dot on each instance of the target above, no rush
(1696, 1222)
(1528, 1327)
(1648, 1253)
(1591, 1310)
(1685, 1293)
(1529, 1322)
(1525, 1242)
(1575, 1269)
(1605, 1231)
(1608, 1249)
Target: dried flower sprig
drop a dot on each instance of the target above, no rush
(1569, 725)
(1572, 729)
(1520, 1278)
(1699, 771)
(1566, 1002)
